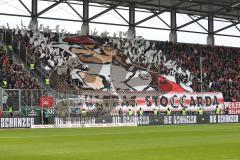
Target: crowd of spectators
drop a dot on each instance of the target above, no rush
(220, 65)
(12, 76)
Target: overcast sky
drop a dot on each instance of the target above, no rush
(64, 11)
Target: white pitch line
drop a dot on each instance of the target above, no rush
(85, 134)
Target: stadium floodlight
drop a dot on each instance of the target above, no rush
(235, 5)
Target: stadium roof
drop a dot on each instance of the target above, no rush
(226, 9)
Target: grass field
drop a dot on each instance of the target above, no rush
(188, 142)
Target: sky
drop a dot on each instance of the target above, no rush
(64, 11)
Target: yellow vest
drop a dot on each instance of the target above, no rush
(47, 81)
(5, 83)
(84, 113)
(168, 112)
(10, 109)
(217, 111)
(130, 113)
(183, 112)
(10, 47)
(32, 66)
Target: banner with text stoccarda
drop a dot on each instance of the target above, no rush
(177, 101)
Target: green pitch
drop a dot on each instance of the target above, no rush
(188, 142)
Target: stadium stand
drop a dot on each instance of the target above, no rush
(220, 64)
(220, 67)
(13, 76)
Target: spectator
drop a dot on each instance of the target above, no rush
(14, 77)
(10, 110)
(1, 112)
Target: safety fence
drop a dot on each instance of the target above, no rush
(22, 98)
(111, 121)
(30, 102)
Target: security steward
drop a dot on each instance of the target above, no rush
(141, 112)
(168, 112)
(200, 111)
(5, 84)
(130, 112)
(217, 110)
(10, 110)
(155, 112)
(183, 112)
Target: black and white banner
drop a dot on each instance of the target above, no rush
(112, 121)
(150, 120)
(224, 119)
(16, 122)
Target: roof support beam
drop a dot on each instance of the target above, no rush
(210, 24)
(25, 6)
(85, 18)
(191, 22)
(116, 10)
(15, 15)
(190, 6)
(85, 13)
(121, 16)
(173, 20)
(210, 37)
(131, 29)
(74, 10)
(157, 13)
(198, 23)
(34, 10)
(105, 11)
(146, 1)
(180, 9)
(48, 8)
(72, 20)
(229, 26)
(202, 17)
(164, 21)
(237, 28)
(150, 17)
(132, 16)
